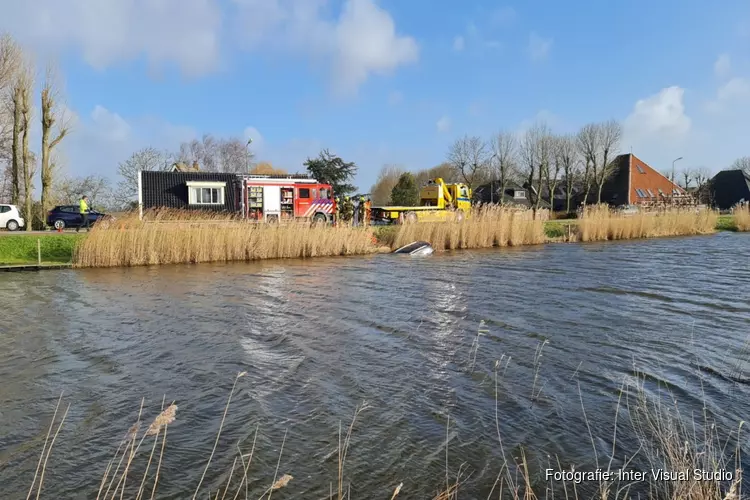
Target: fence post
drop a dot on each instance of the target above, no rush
(39, 251)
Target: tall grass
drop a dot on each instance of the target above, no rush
(600, 223)
(173, 237)
(488, 226)
(742, 217)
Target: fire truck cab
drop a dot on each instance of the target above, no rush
(276, 198)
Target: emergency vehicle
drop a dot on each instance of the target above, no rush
(274, 198)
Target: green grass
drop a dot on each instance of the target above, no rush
(22, 249)
(726, 223)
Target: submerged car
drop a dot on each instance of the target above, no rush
(64, 216)
(10, 218)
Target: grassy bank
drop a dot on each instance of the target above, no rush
(667, 440)
(17, 249)
(191, 238)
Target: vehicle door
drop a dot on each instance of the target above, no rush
(72, 215)
(304, 201)
(4, 215)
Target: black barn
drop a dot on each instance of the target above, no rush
(729, 187)
(189, 191)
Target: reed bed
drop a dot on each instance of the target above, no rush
(742, 217)
(486, 227)
(173, 238)
(600, 223)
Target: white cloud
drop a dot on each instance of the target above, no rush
(539, 47)
(660, 115)
(733, 95)
(723, 66)
(106, 32)
(361, 42)
(459, 43)
(443, 124)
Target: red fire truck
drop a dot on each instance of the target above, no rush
(274, 198)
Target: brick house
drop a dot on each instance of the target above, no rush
(634, 182)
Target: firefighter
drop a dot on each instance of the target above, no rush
(347, 210)
(337, 201)
(361, 210)
(368, 210)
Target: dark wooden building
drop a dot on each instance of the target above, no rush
(514, 194)
(728, 188)
(189, 191)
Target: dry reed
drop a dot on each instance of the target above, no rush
(486, 227)
(742, 217)
(177, 237)
(600, 223)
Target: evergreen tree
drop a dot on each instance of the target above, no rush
(405, 193)
(330, 169)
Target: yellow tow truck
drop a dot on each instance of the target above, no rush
(438, 201)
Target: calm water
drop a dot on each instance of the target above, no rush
(317, 338)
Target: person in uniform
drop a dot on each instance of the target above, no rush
(368, 211)
(347, 210)
(337, 212)
(361, 210)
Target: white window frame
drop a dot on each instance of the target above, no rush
(519, 194)
(194, 186)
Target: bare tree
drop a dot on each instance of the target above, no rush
(599, 144)
(687, 177)
(742, 163)
(588, 145)
(70, 189)
(536, 155)
(504, 160)
(217, 155)
(701, 176)
(567, 152)
(22, 90)
(54, 123)
(469, 157)
(443, 171)
(147, 159)
(610, 135)
(380, 192)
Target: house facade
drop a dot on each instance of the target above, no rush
(514, 194)
(209, 191)
(728, 188)
(633, 182)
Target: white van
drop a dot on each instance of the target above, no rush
(10, 218)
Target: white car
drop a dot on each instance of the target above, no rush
(10, 218)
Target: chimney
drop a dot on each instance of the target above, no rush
(195, 166)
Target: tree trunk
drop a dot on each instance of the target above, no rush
(568, 187)
(28, 174)
(16, 167)
(599, 195)
(46, 170)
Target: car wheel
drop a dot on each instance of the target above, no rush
(12, 225)
(59, 224)
(320, 219)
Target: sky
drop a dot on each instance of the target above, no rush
(391, 81)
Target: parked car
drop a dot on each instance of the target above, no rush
(64, 216)
(628, 210)
(10, 218)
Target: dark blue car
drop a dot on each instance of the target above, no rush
(64, 216)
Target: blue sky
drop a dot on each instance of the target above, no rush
(392, 82)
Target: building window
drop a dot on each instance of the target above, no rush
(519, 194)
(675, 192)
(639, 193)
(650, 193)
(640, 169)
(304, 193)
(661, 192)
(205, 193)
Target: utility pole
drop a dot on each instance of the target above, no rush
(249, 156)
